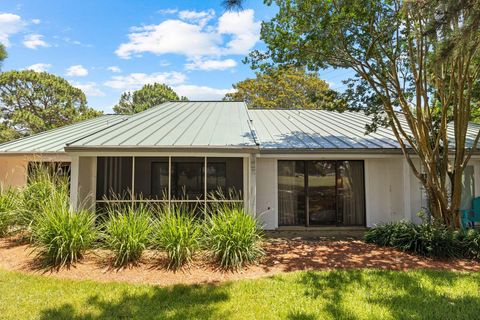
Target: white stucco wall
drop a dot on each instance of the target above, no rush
(267, 192)
(13, 171)
(13, 168)
(386, 191)
(87, 182)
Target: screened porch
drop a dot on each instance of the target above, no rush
(196, 182)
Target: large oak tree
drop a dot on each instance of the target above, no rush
(417, 67)
(31, 102)
(150, 95)
(286, 88)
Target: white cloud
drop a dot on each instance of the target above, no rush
(114, 69)
(33, 41)
(170, 36)
(194, 92)
(167, 11)
(89, 88)
(36, 21)
(77, 71)
(135, 81)
(243, 29)
(76, 42)
(193, 37)
(210, 64)
(9, 24)
(39, 67)
(200, 17)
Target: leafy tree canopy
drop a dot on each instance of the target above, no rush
(31, 102)
(150, 95)
(286, 88)
(417, 67)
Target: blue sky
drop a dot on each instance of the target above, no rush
(108, 47)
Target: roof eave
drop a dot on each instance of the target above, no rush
(226, 149)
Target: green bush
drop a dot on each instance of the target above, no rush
(233, 237)
(468, 243)
(428, 239)
(179, 235)
(127, 232)
(61, 234)
(9, 208)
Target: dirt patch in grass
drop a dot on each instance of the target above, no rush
(283, 255)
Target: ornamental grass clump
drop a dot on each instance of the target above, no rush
(127, 232)
(9, 208)
(41, 185)
(62, 235)
(233, 237)
(179, 234)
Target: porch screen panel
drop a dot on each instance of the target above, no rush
(225, 178)
(350, 193)
(291, 193)
(151, 178)
(188, 178)
(114, 178)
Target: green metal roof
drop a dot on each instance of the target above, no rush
(53, 141)
(278, 130)
(194, 125)
(190, 124)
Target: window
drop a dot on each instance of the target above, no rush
(188, 178)
(159, 180)
(321, 193)
(216, 177)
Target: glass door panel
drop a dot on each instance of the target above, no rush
(321, 195)
(291, 193)
(350, 193)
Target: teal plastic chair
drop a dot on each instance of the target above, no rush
(470, 216)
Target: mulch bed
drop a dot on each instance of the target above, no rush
(283, 255)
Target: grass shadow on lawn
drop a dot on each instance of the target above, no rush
(423, 294)
(177, 302)
(342, 294)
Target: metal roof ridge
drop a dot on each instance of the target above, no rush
(251, 125)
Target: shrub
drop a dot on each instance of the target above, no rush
(428, 239)
(468, 243)
(233, 237)
(61, 234)
(179, 235)
(9, 207)
(127, 231)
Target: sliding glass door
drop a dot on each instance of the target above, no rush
(321, 193)
(316, 193)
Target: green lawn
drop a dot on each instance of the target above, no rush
(302, 295)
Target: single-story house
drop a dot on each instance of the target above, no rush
(291, 168)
